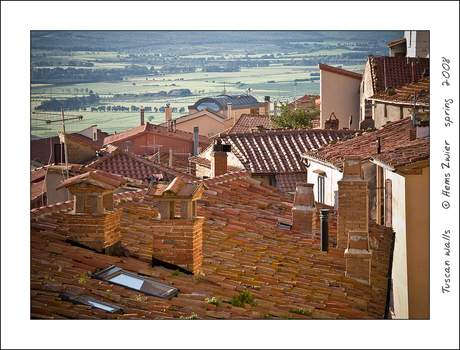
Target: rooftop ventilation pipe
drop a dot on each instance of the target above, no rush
(195, 140)
(324, 214)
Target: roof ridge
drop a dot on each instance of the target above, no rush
(226, 177)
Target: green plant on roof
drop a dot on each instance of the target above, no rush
(374, 244)
(213, 301)
(48, 278)
(82, 279)
(108, 291)
(244, 297)
(304, 312)
(175, 273)
(138, 298)
(193, 316)
(287, 316)
(265, 315)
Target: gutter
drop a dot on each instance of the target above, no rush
(321, 162)
(383, 165)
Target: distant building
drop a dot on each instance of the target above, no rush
(416, 43)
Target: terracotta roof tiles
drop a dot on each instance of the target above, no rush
(405, 94)
(242, 250)
(396, 147)
(151, 128)
(396, 71)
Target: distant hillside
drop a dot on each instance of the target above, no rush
(130, 41)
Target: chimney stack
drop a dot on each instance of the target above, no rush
(142, 116)
(178, 240)
(275, 106)
(219, 158)
(170, 157)
(229, 108)
(358, 256)
(195, 140)
(353, 208)
(304, 210)
(168, 112)
(94, 222)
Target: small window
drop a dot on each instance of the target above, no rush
(129, 280)
(321, 185)
(77, 298)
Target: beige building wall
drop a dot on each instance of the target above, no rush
(417, 241)
(366, 89)
(339, 94)
(399, 269)
(207, 125)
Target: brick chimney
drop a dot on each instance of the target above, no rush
(94, 222)
(178, 240)
(358, 256)
(219, 158)
(304, 210)
(142, 116)
(352, 202)
(168, 112)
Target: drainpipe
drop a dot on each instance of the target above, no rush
(324, 214)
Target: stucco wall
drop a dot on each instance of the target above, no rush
(385, 112)
(339, 94)
(399, 272)
(332, 176)
(369, 170)
(206, 125)
(418, 238)
(53, 180)
(366, 89)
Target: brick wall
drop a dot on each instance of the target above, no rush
(218, 163)
(358, 256)
(353, 203)
(179, 242)
(96, 231)
(304, 220)
(352, 209)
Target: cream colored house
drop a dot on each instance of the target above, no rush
(208, 122)
(339, 94)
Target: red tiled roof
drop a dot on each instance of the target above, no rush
(396, 42)
(396, 71)
(136, 167)
(278, 151)
(96, 178)
(243, 250)
(151, 128)
(247, 122)
(288, 181)
(405, 94)
(395, 142)
(341, 71)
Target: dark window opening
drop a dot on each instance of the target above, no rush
(131, 281)
(77, 298)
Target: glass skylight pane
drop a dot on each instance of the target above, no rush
(101, 306)
(127, 281)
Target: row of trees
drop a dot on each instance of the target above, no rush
(69, 104)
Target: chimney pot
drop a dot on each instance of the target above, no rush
(324, 214)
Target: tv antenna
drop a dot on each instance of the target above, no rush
(63, 120)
